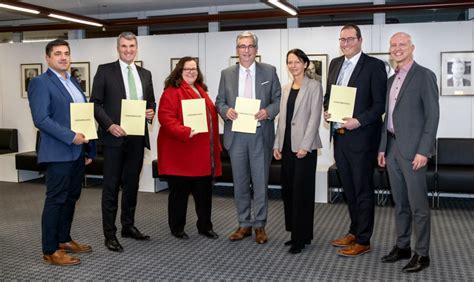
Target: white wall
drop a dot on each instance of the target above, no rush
(214, 50)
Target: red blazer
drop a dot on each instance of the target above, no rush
(177, 153)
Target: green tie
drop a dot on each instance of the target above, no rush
(131, 85)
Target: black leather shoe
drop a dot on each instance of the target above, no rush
(417, 263)
(113, 245)
(397, 254)
(180, 235)
(291, 242)
(296, 248)
(134, 233)
(209, 234)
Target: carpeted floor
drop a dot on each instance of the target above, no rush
(199, 258)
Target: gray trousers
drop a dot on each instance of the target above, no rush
(250, 160)
(409, 192)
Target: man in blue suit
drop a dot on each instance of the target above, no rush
(64, 152)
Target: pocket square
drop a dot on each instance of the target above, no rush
(265, 82)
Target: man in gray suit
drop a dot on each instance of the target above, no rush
(408, 140)
(250, 154)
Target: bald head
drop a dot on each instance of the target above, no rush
(401, 48)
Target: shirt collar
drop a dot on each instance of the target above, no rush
(354, 59)
(60, 76)
(405, 68)
(124, 65)
(251, 68)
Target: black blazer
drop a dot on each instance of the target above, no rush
(108, 91)
(370, 79)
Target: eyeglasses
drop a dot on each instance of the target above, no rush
(243, 47)
(190, 70)
(348, 40)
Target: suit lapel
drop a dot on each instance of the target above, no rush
(357, 70)
(406, 82)
(235, 81)
(301, 93)
(258, 80)
(55, 80)
(78, 86)
(142, 79)
(337, 68)
(118, 74)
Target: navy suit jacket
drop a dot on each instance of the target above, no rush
(108, 90)
(370, 79)
(49, 103)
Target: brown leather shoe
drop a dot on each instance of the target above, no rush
(344, 241)
(61, 258)
(240, 233)
(75, 247)
(354, 250)
(260, 235)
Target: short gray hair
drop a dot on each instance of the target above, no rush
(127, 35)
(245, 34)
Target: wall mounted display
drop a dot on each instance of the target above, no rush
(174, 62)
(235, 59)
(318, 68)
(390, 64)
(81, 71)
(456, 73)
(28, 71)
(139, 63)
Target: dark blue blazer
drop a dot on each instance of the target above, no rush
(49, 103)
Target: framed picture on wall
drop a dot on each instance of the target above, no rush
(81, 72)
(318, 68)
(139, 63)
(28, 71)
(390, 64)
(456, 73)
(174, 62)
(235, 59)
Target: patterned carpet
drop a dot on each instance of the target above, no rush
(199, 258)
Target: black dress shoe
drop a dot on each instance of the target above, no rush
(113, 245)
(180, 235)
(296, 248)
(209, 234)
(291, 242)
(397, 254)
(134, 233)
(417, 263)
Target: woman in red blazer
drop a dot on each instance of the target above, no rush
(189, 160)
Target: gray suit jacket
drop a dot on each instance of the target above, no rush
(416, 114)
(306, 117)
(267, 89)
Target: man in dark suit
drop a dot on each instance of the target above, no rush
(408, 140)
(123, 154)
(64, 152)
(250, 154)
(356, 140)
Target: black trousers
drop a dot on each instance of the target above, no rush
(179, 189)
(122, 167)
(63, 188)
(356, 170)
(298, 188)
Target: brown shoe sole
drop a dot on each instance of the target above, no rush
(359, 254)
(76, 251)
(60, 264)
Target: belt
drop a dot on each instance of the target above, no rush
(340, 131)
(390, 134)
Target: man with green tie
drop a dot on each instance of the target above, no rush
(123, 154)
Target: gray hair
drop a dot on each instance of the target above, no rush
(245, 34)
(127, 35)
